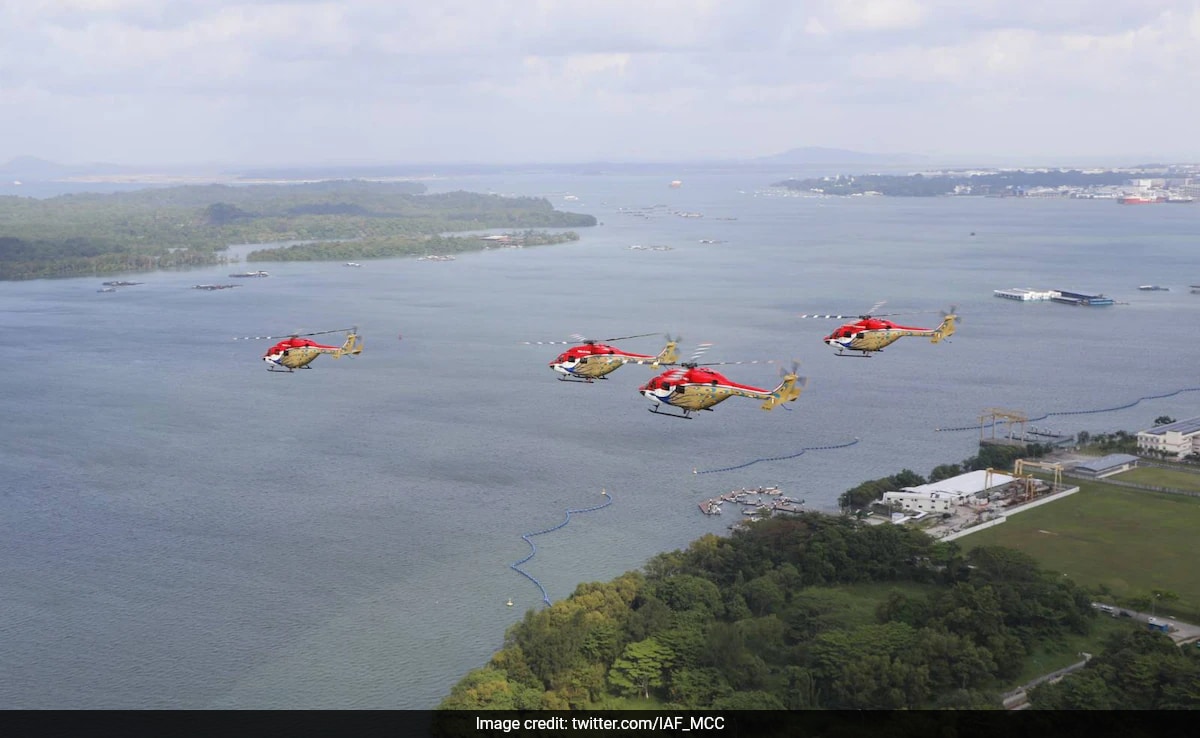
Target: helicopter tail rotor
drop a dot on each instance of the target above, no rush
(789, 389)
(950, 320)
(352, 346)
(670, 354)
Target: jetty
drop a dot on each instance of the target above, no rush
(1081, 298)
(1065, 297)
(754, 501)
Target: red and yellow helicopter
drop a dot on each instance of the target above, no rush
(692, 387)
(296, 351)
(870, 333)
(594, 359)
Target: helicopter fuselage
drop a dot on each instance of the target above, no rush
(592, 361)
(297, 353)
(698, 388)
(873, 334)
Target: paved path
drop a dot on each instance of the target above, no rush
(1180, 632)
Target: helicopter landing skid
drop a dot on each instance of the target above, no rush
(580, 379)
(857, 356)
(656, 411)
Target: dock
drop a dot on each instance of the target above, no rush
(755, 502)
(1081, 298)
(1025, 294)
(1065, 297)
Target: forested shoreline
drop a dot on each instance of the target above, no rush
(818, 611)
(84, 234)
(797, 612)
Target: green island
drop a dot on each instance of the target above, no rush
(87, 234)
(817, 611)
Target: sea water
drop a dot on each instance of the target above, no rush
(180, 528)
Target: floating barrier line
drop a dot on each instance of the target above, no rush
(776, 458)
(533, 548)
(1077, 412)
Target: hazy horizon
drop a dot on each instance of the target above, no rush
(149, 83)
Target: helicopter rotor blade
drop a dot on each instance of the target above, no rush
(626, 338)
(731, 363)
(295, 335)
(700, 350)
(577, 338)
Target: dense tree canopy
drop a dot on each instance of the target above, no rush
(93, 233)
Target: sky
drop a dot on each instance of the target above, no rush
(153, 82)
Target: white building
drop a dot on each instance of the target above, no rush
(941, 496)
(1176, 439)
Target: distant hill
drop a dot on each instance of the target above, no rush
(816, 155)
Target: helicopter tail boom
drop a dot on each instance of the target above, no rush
(352, 347)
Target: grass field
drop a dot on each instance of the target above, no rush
(1062, 653)
(1129, 541)
(1157, 477)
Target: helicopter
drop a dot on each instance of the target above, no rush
(593, 359)
(870, 333)
(296, 351)
(692, 387)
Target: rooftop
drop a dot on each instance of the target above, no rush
(964, 484)
(1104, 463)
(1190, 425)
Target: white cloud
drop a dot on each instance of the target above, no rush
(878, 15)
(272, 78)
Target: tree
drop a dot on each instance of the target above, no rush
(641, 667)
(1164, 420)
(944, 471)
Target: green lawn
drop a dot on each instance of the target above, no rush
(1129, 541)
(1161, 478)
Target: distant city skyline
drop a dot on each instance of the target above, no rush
(249, 83)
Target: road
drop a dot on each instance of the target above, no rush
(1180, 632)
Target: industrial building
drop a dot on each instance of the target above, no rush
(1105, 466)
(1178, 439)
(942, 496)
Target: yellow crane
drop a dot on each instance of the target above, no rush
(1020, 465)
(994, 415)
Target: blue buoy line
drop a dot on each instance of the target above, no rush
(1126, 406)
(776, 458)
(533, 548)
